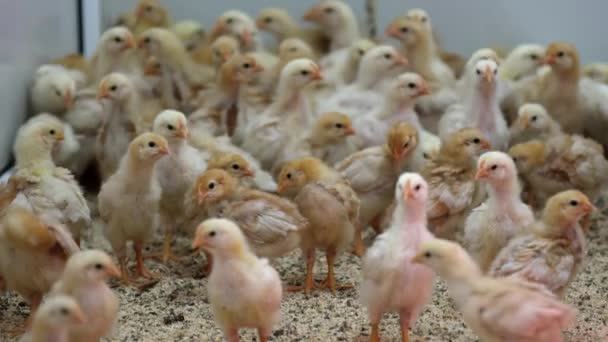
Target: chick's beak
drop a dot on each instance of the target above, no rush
(259, 23)
(488, 75)
(130, 43)
(182, 131)
(139, 11)
(199, 242)
(524, 122)
(588, 207)
(316, 74)
(113, 271)
(163, 150)
(248, 173)
(482, 172)
(103, 93)
(400, 60)
(201, 195)
(282, 187)
(408, 192)
(258, 68)
(78, 316)
(392, 31)
(485, 144)
(418, 259)
(246, 37)
(313, 14)
(549, 59)
(424, 89)
(68, 100)
(349, 130)
(218, 28)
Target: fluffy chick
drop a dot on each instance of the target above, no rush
(523, 61)
(191, 33)
(496, 309)
(503, 215)
(239, 25)
(597, 72)
(391, 282)
(176, 173)
(49, 191)
(373, 172)
(84, 279)
(129, 200)
(114, 53)
(552, 250)
(453, 192)
(331, 138)
(533, 123)
(331, 207)
(33, 255)
(237, 166)
(53, 90)
(54, 320)
(244, 290)
(148, 14)
(337, 20)
(271, 224)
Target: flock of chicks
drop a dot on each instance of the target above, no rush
(304, 149)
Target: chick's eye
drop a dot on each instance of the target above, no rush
(152, 144)
(417, 187)
(339, 125)
(411, 85)
(406, 144)
(534, 118)
(64, 311)
(149, 9)
(494, 167)
(423, 19)
(304, 72)
(478, 72)
(293, 49)
(476, 140)
(573, 203)
(235, 166)
(58, 92)
(170, 127)
(246, 65)
(289, 176)
(212, 233)
(229, 21)
(387, 56)
(113, 88)
(427, 254)
(268, 20)
(361, 52)
(52, 132)
(514, 159)
(560, 54)
(98, 266)
(329, 10)
(118, 39)
(147, 40)
(211, 186)
(534, 57)
(404, 29)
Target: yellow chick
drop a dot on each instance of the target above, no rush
(148, 14)
(114, 53)
(331, 207)
(192, 34)
(129, 200)
(552, 250)
(533, 123)
(244, 290)
(54, 320)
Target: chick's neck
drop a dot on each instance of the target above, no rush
(42, 331)
(503, 194)
(398, 105)
(34, 153)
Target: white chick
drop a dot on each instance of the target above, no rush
(244, 290)
(49, 191)
(239, 25)
(53, 90)
(523, 61)
(129, 200)
(121, 103)
(55, 318)
(176, 173)
(84, 279)
(391, 282)
(496, 309)
(480, 109)
(114, 53)
(503, 215)
(533, 123)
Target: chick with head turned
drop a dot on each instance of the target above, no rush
(129, 200)
(244, 290)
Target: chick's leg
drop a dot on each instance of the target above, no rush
(166, 254)
(330, 282)
(375, 335)
(358, 246)
(142, 271)
(231, 335)
(122, 261)
(263, 334)
(404, 322)
(309, 282)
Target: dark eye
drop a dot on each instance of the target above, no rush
(339, 125)
(147, 40)
(149, 9)
(329, 10)
(514, 159)
(268, 20)
(293, 49)
(560, 54)
(411, 85)
(57, 92)
(387, 56)
(152, 144)
(211, 186)
(417, 187)
(170, 127)
(423, 19)
(534, 57)
(190, 47)
(246, 65)
(289, 176)
(99, 267)
(64, 311)
(476, 140)
(304, 72)
(229, 21)
(495, 71)
(52, 132)
(534, 118)
(117, 39)
(212, 233)
(494, 167)
(427, 254)
(235, 166)
(478, 72)
(425, 155)
(405, 145)
(404, 29)
(361, 52)
(573, 203)
(113, 88)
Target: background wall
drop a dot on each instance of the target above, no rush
(32, 32)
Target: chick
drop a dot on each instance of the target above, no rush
(121, 103)
(391, 282)
(176, 173)
(53, 90)
(491, 226)
(49, 191)
(533, 123)
(373, 172)
(523, 61)
(552, 250)
(331, 207)
(84, 279)
(597, 72)
(54, 320)
(114, 53)
(289, 50)
(222, 49)
(271, 224)
(496, 309)
(239, 25)
(33, 255)
(192, 34)
(244, 290)
(282, 26)
(129, 200)
(453, 192)
(239, 168)
(72, 62)
(148, 14)
(331, 138)
(337, 20)
(347, 73)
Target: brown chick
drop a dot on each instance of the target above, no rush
(32, 255)
(453, 192)
(282, 26)
(553, 249)
(373, 173)
(129, 200)
(331, 207)
(148, 14)
(271, 224)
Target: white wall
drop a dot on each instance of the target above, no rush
(32, 32)
(463, 25)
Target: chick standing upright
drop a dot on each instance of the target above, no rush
(244, 290)
(391, 282)
(84, 279)
(54, 320)
(497, 310)
(129, 200)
